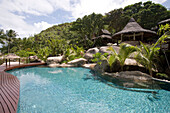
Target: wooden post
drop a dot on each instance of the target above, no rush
(6, 62)
(121, 37)
(9, 61)
(142, 36)
(134, 36)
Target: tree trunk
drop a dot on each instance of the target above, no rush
(8, 48)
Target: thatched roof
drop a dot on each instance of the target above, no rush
(164, 21)
(102, 37)
(133, 27)
(11, 56)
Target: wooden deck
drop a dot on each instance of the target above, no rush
(9, 88)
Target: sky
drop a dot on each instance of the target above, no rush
(29, 17)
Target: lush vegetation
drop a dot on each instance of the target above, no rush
(72, 39)
(147, 14)
(147, 55)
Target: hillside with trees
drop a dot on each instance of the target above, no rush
(80, 32)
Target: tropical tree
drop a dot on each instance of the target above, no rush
(147, 55)
(10, 35)
(43, 53)
(2, 36)
(88, 27)
(147, 14)
(72, 53)
(57, 46)
(116, 20)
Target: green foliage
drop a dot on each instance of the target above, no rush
(162, 75)
(25, 53)
(57, 46)
(2, 36)
(1, 61)
(73, 53)
(88, 27)
(98, 57)
(148, 54)
(124, 52)
(147, 14)
(10, 35)
(43, 53)
(116, 20)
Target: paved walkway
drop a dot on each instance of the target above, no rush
(9, 88)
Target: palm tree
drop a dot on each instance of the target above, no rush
(2, 36)
(124, 52)
(148, 54)
(10, 34)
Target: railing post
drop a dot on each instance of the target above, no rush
(6, 61)
(9, 61)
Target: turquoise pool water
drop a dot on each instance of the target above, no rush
(77, 90)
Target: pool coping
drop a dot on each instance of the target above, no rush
(10, 88)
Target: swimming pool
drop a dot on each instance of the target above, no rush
(77, 90)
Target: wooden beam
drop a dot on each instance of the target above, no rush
(134, 36)
(131, 35)
(121, 37)
(142, 36)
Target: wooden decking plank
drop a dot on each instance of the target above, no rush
(14, 81)
(14, 98)
(1, 108)
(10, 85)
(4, 103)
(9, 99)
(9, 88)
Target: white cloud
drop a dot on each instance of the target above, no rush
(14, 12)
(85, 7)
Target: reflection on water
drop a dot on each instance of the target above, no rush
(131, 84)
(31, 77)
(55, 72)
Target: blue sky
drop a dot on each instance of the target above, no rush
(29, 17)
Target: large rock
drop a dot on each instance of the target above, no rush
(33, 57)
(89, 66)
(131, 75)
(90, 52)
(129, 61)
(100, 68)
(104, 49)
(77, 62)
(132, 79)
(104, 67)
(55, 60)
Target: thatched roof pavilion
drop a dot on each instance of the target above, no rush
(105, 34)
(12, 56)
(104, 37)
(132, 31)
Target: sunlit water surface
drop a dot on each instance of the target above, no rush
(77, 90)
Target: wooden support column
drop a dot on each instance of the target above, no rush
(142, 36)
(9, 62)
(121, 37)
(134, 36)
(117, 42)
(6, 61)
